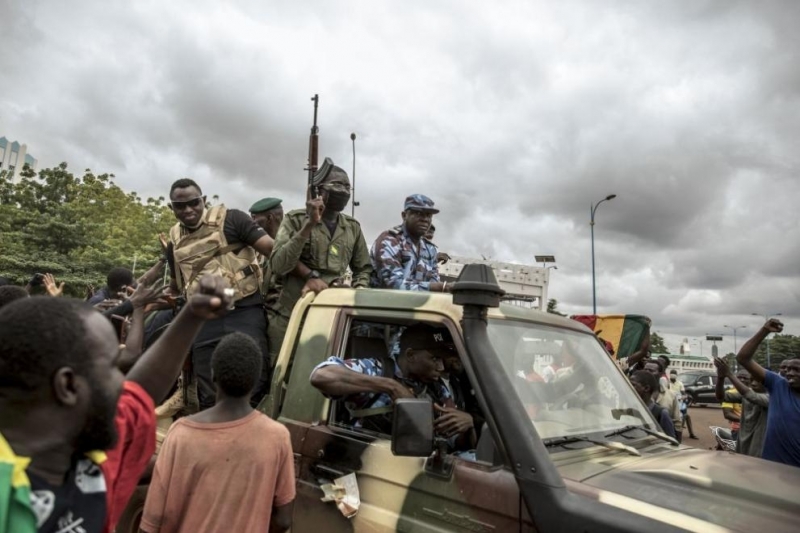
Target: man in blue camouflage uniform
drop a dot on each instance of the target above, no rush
(369, 389)
(402, 257)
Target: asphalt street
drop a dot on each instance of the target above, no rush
(702, 418)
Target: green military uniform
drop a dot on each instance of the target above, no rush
(328, 254)
(270, 287)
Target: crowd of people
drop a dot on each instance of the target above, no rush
(762, 406)
(79, 388)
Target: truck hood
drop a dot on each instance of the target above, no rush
(724, 489)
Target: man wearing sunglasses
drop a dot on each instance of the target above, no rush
(314, 248)
(224, 242)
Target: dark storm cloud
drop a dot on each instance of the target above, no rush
(514, 117)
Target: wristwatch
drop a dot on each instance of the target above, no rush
(312, 275)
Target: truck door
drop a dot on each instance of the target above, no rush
(396, 493)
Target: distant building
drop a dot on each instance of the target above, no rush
(13, 157)
(685, 363)
(525, 285)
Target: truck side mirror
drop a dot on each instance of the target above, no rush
(412, 428)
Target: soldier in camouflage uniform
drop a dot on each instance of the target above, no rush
(403, 258)
(314, 248)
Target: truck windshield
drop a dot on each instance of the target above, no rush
(565, 380)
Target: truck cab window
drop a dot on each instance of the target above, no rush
(421, 360)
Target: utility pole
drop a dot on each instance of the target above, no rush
(735, 347)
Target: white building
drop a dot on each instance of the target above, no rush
(13, 157)
(525, 285)
(687, 362)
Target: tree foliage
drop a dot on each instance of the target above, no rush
(657, 343)
(781, 347)
(77, 228)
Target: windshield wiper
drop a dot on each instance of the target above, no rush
(662, 436)
(611, 445)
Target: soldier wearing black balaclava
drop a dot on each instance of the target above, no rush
(314, 247)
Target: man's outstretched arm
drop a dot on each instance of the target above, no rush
(725, 372)
(745, 355)
(337, 381)
(158, 368)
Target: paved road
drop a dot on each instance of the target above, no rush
(702, 417)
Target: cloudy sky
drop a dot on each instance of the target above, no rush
(513, 116)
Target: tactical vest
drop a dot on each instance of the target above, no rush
(206, 251)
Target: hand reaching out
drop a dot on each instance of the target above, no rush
(723, 369)
(50, 286)
(212, 299)
(144, 295)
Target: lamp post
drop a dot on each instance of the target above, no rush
(354, 204)
(591, 224)
(735, 348)
(767, 317)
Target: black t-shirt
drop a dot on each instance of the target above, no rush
(239, 228)
(77, 505)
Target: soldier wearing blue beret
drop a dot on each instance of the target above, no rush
(402, 257)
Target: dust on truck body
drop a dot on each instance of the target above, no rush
(578, 453)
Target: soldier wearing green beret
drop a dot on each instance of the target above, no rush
(268, 213)
(314, 248)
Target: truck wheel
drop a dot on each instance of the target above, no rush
(132, 515)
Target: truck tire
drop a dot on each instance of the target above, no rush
(132, 515)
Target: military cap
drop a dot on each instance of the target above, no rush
(425, 337)
(419, 202)
(265, 204)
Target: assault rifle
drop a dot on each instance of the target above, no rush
(313, 150)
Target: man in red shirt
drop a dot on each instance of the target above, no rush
(63, 399)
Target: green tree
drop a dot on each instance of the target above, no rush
(781, 347)
(77, 228)
(552, 307)
(657, 343)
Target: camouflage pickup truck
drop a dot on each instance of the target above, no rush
(576, 452)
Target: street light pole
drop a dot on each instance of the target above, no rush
(735, 348)
(353, 203)
(767, 317)
(591, 224)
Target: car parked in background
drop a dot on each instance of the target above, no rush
(700, 385)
